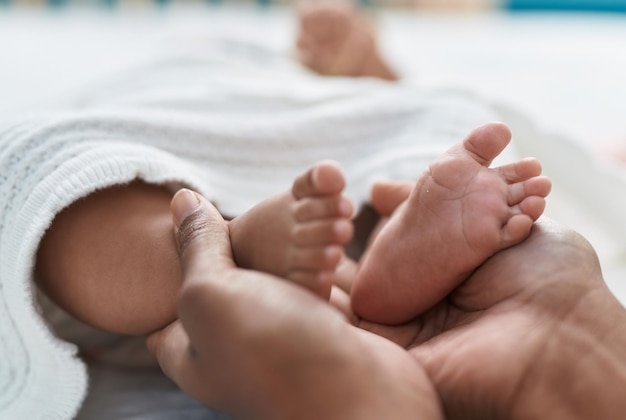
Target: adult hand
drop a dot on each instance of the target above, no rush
(533, 334)
(256, 346)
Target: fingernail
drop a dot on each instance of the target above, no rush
(184, 203)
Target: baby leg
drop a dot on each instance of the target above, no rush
(299, 234)
(458, 214)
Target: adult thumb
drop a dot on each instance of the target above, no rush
(202, 236)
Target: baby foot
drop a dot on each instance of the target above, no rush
(337, 40)
(458, 214)
(300, 234)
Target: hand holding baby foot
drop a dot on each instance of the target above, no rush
(257, 347)
(458, 214)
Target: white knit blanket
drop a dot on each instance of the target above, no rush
(237, 127)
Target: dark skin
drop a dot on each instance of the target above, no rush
(507, 343)
(524, 328)
(499, 347)
(292, 350)
(556, 297)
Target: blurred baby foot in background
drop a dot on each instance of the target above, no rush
(336, 39)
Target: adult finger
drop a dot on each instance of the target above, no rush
(387, 196)
(201, 235)
(205, 302)
(170, 347)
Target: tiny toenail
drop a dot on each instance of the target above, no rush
(345, 208)
(340, 227)
(331, 251)
(324, 277)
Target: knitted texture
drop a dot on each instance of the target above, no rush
(237, 127)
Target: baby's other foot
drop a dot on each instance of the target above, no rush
(298, 235)
(458, 214)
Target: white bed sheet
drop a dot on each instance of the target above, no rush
(565, 72)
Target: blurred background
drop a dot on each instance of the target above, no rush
(559, 63)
